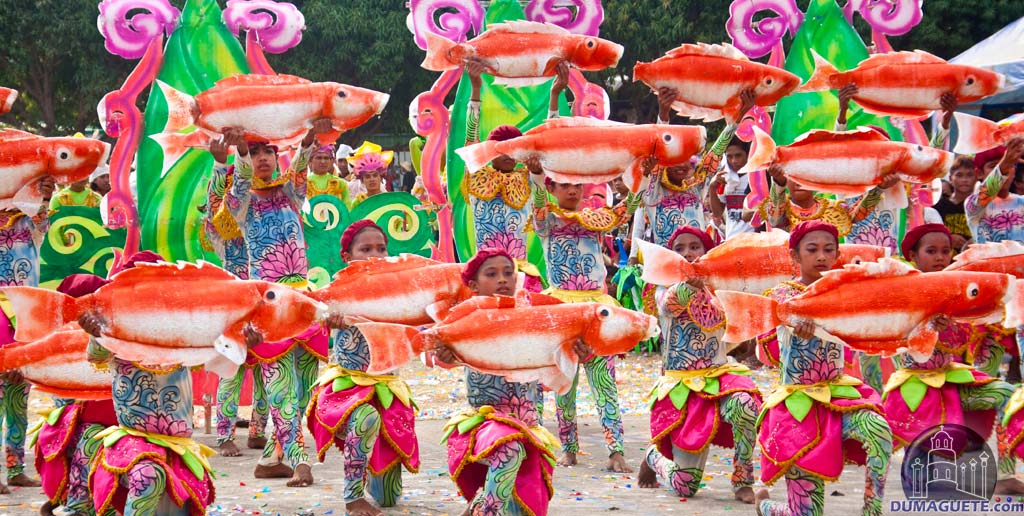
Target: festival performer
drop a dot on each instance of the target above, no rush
(576, 273)
(498, 454)
(499, 193)
(729, 190)
(324, 181)
(370, 164)
(19, 257)
(951, 209)
(993, 213)
(76, 194)
(266, 205)
(148, 462)
(222, 235)
(819, 417)
(702, 398)
(370, 418)
(955, 392)
(64, 446)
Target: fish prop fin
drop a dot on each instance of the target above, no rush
(520, 82)
(974, 134)
(893, 111)
(821, 78)
(182, 109)
(824, 334)
(40, 311)
(156, 355)
(10, 135)
(884, 348)
(747, 315)
(550, 377)
(524, 27)
(633, 177)
(29, 198)
(231, 345)
(479, 154)
(883, 268)
(575, 179)
(439, 311)
(175, 145)
(921, 341)
(352, 320)
(703, 49)
(258, 79)
(221, 366)
(391, 345)
(162, 271)
(537, 299)
(389, 265)
(774, 238)
(439, 50)
(566, 359)
(861, 134)
(697, 112)
(573, 121)
(479, 303)
(763, 154)
(986, 251)
(900, 58)
(662, 266)
(894, 198)
(83, 394)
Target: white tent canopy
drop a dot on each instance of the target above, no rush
(1001, 52)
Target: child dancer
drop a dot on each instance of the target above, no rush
(699, 390)
(370, 418)
(323, 181)
(502, 463)
(369, 163)
(806, 438)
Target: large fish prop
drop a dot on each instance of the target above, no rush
(748, 262)
(586, 150)
(522, 342)
(710, 78)
(401, 289)
(26, 158)
(522, 53)
(905, 84)
(7, 98)
(276, 108)
(1006, 257)
(879, 308)
(168, 314)
(849, 163)
(976, 134)
(58, 364)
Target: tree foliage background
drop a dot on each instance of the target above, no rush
(54, 54)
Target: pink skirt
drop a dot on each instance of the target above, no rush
(699, 423)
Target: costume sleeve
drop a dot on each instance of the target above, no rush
(97, 354)
(712, 158)
(639, 228)
(296, 188)
(473, 122)
(538, 191)
(215, 191)
(775, 205)
(55, 202)
(862, 209)
(628, 207)
(938, 140)
(237, 198)
(974, 206)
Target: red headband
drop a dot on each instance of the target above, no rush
(913, 236)
(78, 285)
(801, 230)
(705, 238)
(990, 155)
(504, 132)
(354, 229)
(481, 256)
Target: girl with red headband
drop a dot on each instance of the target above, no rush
(498, 454)
(370, 418)
(967, 397)
(808, 439)
(701, 399)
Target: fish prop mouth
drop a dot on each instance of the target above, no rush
(322, 311)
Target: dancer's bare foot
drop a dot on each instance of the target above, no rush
(4, 489)
(362, 507)
(617, 463)
(228, 449)
(762, 495)
(1009, 486)
(303, 476)
(278, 470)
(567, 459)
(468, 511)
(745, 494)
(46, 509)
(23, 480)
(256, 443)
(646, 478)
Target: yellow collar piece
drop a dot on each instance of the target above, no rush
(363, 379)
(260, 184)
(581, 296)
(513, 187)
(193, 454)
(817, 391)
(934, 378)
(8, 219)
(695, 379)
(528, 268)
(601, 219)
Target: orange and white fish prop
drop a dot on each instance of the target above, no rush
(849, 162)
(905, 84)
(26, 158)
(860, 253)
(587, 150)
(1006, 257)
(975, 134)
(846, 306)
(276, 108)
(710, 78)
(7, 98)
(522, 342)
(397, 289)
(523, 53)
(169, 314)
(57, 364)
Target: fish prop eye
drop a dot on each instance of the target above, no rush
(342, 94)
(920, 148)
(63, 154)
(667, 138)
(972, 291)
(590, 43)
(271, 295)
(970, 81)
(604, 312)
(768, 81)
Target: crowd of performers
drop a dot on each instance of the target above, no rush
(134, 454)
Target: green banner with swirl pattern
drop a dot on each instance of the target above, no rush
(77, 243)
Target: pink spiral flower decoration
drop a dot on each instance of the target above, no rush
(756, 39)
(129, 36)
(456, 26)
(278, 25)
(890, 17)
(586, 20)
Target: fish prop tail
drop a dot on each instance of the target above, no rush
(438, 58)
(747, 315)
(40, 312)
(391, 345)
(479, 154)
(819, 80)
(763, 153)
(175, 145)
(662, 266)
(974, 134)
(182, 109)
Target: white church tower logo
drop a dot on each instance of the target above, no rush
(949, 462)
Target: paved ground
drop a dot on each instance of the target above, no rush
(582, 490)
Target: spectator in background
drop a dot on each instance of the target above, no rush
(951, 207)
(99, 180)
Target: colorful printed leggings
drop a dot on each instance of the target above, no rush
(871, 371)
(993, 396)
(228, 391)
(601, 375)
(360, 434)
(806, 493)
(496, 499)
(147, 492)
(684, 470)
(284, 386)
(78, 498)
(14, 404)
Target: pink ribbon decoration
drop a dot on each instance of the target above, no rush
(586, 20)
(277, 26)
(756, 38)
(456, 26)
(130, 36)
